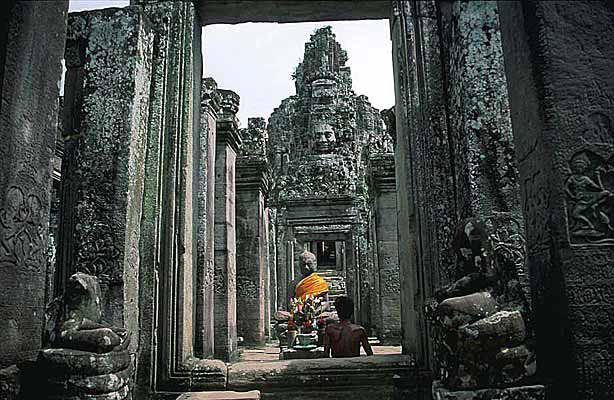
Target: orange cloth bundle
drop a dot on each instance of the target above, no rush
(313, 285)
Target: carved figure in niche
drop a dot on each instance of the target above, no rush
(324, 138)
(310, 283)
(74, 319)
(21, 230)
(85, 357)
(479, 331)
(591, 204)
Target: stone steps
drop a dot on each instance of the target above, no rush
(336, 283)
(221, 395)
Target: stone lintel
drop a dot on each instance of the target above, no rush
(533, 392)
(239, 11)
(319, 229)
(252, 174)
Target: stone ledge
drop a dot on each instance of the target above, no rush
(225, 395)
(533, 392)
(322, 374)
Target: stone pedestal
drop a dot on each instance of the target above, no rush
(31, 48)
(69, 374)
(252, 234)
(386, 247)
(561, 94)
(210, 102)
(536, 392)
(108, 57)
(228, 141)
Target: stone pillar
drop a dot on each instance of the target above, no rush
(486, 176)
(282, 269)
(412, 292)
(105, 140)
(33, 38)
(454, 150)
(272, 261)
(166, 359)
(210, 102)
(561, 100)
(386, 247)
(252, 234)
(228, 141)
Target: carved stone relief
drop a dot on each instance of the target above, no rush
(590, 199)
(22, 244)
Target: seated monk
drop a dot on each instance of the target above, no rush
(310, 283)
(343, 339)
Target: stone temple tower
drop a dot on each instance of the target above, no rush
(319, 144)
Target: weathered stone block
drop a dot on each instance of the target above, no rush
(457, 311)
(502, 329)
(536, 392)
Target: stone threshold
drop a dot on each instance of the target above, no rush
(378, 377)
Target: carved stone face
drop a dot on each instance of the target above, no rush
(579, 165)
(308, 263)
(324, 138)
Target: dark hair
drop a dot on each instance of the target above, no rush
(344, 306)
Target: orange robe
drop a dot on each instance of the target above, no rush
(313, 285)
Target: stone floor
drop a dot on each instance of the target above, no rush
(270, 352)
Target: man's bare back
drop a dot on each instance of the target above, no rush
(343, 339)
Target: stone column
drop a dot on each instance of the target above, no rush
(210, 102)
(480, 129)
(561, 100)
(273, 281)
(105, 141)
(412, 292)
(32, 45)
(387, 247)
(252, 234)
(228, 141)
(166, 359)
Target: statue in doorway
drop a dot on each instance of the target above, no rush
(310, 283)
(479, 325)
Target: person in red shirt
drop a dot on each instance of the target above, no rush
(343, 339)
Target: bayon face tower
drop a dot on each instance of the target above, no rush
(318, 138)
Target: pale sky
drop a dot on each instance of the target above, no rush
(256, 60)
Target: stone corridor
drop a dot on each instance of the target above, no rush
(152, 248)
